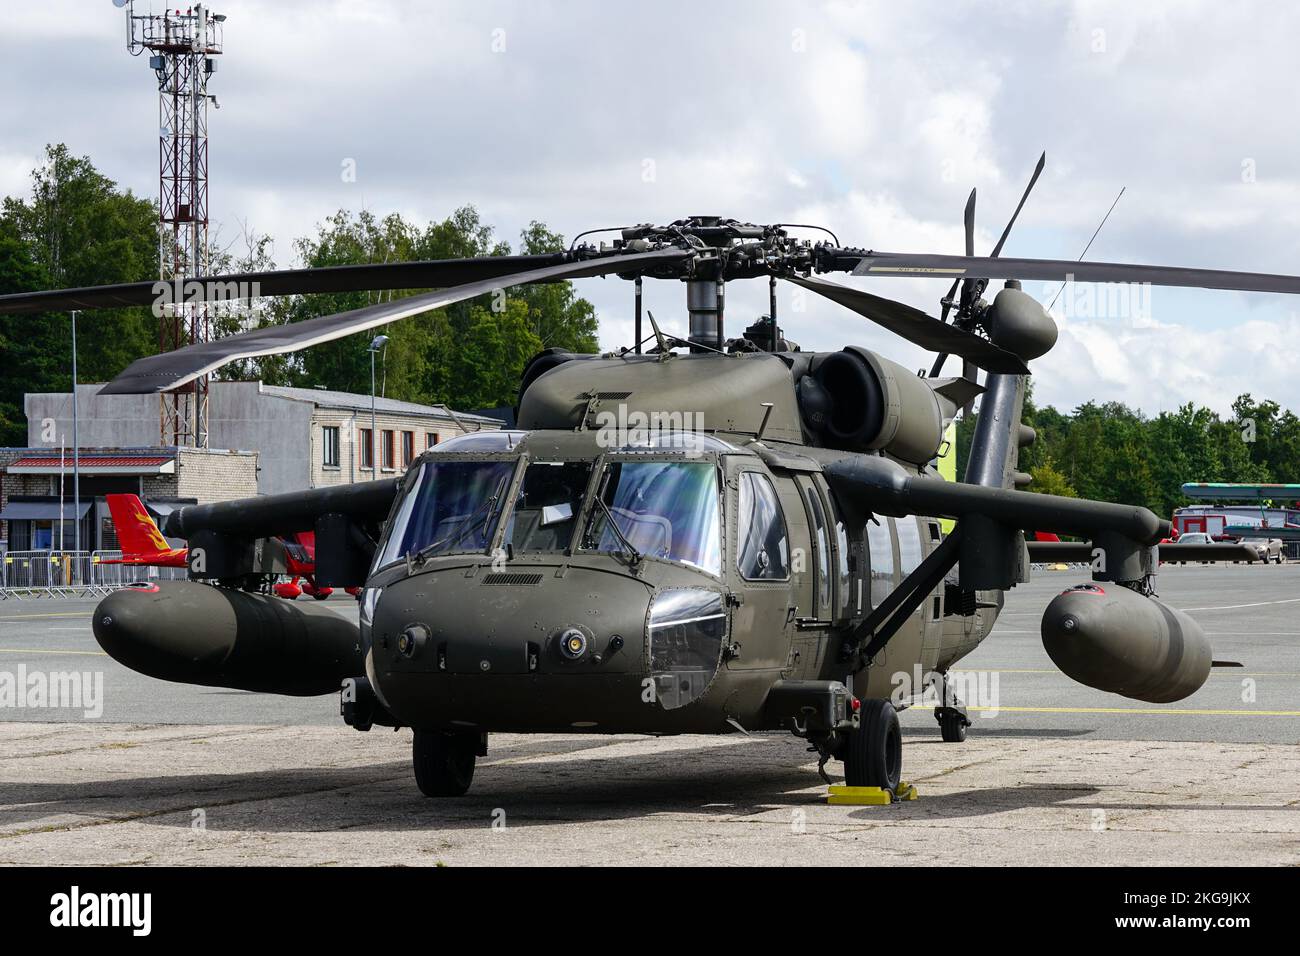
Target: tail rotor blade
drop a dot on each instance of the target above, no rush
(1002, 240)
(973, 290)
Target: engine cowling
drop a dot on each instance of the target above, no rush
(858, 401)
(1114, 639)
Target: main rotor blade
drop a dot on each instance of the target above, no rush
(915, 326)
(160, 373)
(1057, 270)
(377, 276)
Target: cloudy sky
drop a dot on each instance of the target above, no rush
(875, 119)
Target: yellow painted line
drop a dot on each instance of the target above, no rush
(38, 650)
(1217, 672)
(1143, 710)
(28, 617)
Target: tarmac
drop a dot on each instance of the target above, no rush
(1055, 774)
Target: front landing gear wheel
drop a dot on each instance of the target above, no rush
(444, 763)
(952, 724)
(873, 751)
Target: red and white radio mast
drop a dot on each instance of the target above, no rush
(182, 45)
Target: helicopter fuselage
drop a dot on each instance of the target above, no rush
(736, 568)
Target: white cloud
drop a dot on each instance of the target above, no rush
(873, 118)
(1159, 367)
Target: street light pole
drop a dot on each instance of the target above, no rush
(377, 343)
(374, 435)
(76, 447)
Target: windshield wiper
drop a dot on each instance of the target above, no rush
(633, 555)
(471, 524)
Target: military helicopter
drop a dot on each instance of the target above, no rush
(705, 536)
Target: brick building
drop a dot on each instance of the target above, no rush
(281, 440)
(33, 481)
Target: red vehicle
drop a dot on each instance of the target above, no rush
(138, 534)
(143, 544)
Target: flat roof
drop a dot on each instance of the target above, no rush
(352, 401)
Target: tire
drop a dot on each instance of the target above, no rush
(873, 751)
(444, 763)
(952, 727)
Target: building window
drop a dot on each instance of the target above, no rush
(367, 448)
(20, 535)
(430, 439)
(408, 448)
(330, 446)
(386, 450)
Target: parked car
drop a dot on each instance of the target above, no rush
(1268, 549)
(1187, 537)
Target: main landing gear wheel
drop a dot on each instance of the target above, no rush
(873, 751)
(444, 763)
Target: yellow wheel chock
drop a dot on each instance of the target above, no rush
(845, 796)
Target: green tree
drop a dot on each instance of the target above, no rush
(1048, 480)
(75, 228)
(23, 352)
(557, 317)
(1110, 452)
(468, 355)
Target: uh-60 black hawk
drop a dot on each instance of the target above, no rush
(573, 575)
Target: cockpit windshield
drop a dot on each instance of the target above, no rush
(662, 509)
(452, 507)
(546, 508)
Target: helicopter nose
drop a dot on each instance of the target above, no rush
(513, 622)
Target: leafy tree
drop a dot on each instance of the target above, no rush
(1110, 452)
(467, 355)
(76, 228)
(1048, 480)
(556, 315)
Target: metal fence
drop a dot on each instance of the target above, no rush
(37, 574)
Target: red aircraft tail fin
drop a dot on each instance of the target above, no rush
(137, 533)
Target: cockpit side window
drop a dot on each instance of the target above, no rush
(880, 547)
(822, 542)
(762, 541)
